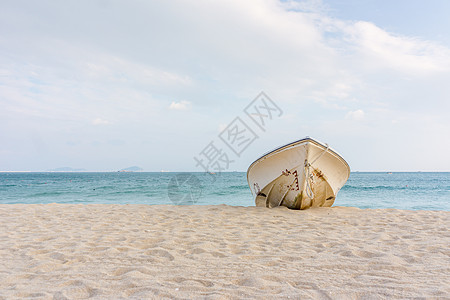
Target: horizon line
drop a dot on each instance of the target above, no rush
(234, 171)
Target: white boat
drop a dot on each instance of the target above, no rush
(299, 175)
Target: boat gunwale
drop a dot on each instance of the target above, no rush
(306, 139)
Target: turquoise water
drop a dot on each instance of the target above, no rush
(416, 191)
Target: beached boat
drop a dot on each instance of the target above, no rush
(299, 175)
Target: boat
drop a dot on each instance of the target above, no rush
(302, 174)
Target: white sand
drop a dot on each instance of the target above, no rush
(138, 251)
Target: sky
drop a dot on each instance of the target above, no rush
(104, 85)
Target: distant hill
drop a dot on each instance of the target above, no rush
(132, 169)
(66, 169)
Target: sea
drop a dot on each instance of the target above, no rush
(399, 190)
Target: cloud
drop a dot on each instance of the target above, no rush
(60, 67)
(384, 50)
(356, 115)
(222, 127)
(100, 121)
(182, 105)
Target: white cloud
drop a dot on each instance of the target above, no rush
(222, 127)
(182, 105)
(115, 69)
(100, 121)
(380, 49)
(356, 115)
(58, 73)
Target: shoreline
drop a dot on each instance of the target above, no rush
(217, 205)
(220, 251)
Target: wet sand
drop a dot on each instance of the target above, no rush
(66, 251)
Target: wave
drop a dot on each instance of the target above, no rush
(238, 187)
(49, 194)
(378, 187)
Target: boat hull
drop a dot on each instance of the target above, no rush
(299, 175)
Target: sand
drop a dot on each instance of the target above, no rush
(64, 251)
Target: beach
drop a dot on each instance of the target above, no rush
(77, 251)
